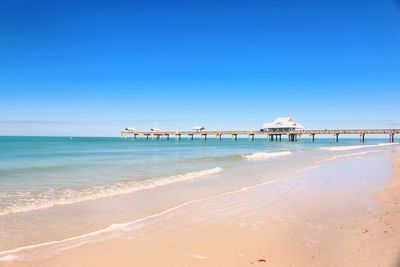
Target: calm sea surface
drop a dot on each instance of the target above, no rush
(58, 167)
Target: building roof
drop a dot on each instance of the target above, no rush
(283, 122)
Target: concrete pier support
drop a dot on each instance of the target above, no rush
(234, 137)
(313, 137)
(280, 137)
(204, 136)
(190, 136)
(362, 138)
(166, 136)
(275, 136)
(178, 136)
(292, 137)
(336, 137)
(251, 137)
(391, 138)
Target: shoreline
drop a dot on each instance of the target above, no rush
(245, 230)
(375, 236)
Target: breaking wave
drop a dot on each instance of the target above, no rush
(22, 201)
(267, 155)
(349, 155)
(344, 148)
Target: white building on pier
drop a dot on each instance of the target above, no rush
(282, 124)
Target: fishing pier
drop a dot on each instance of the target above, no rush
(292, 136)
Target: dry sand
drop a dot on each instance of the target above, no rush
(304, 228)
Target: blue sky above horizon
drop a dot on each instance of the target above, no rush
(93, 67)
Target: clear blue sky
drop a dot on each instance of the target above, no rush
(93, 67)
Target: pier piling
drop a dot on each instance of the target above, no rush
(251, 137)
(391, 138)
(234, 137)
(336, 137)
(362, 137)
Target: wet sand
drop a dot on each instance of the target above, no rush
(323, 222)
(374, 239)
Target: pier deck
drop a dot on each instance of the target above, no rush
(271, 135)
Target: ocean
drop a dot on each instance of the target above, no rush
(55, 188)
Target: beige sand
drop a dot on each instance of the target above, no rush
(317, 228)
(379, 241)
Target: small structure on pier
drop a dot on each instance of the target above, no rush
(130, 129)
(282, 124)
(199, 128)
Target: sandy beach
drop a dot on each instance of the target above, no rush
(318, 222)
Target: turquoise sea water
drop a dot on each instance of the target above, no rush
(34, 163)
(30, 163)
(38, 172)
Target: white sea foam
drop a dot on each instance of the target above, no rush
(8, 258)
(201, 257)
(28, 201)
(267, 155)
(344, 148)
(349, 155)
